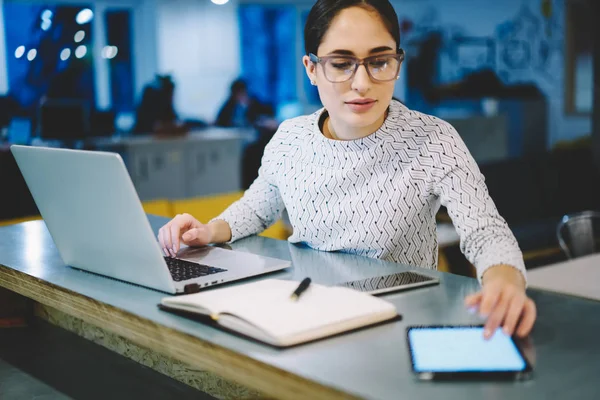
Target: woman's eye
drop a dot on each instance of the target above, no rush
(378, 63)
(342, 65)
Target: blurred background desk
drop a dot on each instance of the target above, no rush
(577, 277)
(371, 363)
(202, 163)
(199, 163)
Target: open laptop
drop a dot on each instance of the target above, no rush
(97, 222)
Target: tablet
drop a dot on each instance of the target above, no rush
(461, 352)
(389, 283)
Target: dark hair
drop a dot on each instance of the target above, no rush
(165, 82)
(324, 11)
(239, 85)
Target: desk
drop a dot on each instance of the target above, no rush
(371, 363)
(577, 277)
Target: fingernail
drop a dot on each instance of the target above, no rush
(506, 331)
(472, 310)
(173, 252)
(487, 333)
(165, 251)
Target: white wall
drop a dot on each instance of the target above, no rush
(198, 43)
(144, 40)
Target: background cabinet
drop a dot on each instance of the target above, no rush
(198, 164)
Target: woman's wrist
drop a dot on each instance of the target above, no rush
(505, 272)
(220, 231)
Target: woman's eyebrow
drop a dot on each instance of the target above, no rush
(344, 52)
(380, 49)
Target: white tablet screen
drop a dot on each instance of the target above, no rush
(462, 349)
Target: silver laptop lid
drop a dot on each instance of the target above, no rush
(93, 213)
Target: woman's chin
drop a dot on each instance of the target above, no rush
(362, 121)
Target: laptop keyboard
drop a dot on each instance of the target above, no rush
(182, 270)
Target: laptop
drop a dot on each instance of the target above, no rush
(95, 217)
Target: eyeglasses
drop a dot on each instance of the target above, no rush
(382, 68)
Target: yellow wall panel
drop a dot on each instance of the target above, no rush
(161, 208)
(19, 220)
(205, 208)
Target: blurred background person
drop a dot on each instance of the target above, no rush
(241, 110)
(156, 111)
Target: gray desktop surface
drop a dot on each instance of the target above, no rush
(370, 363)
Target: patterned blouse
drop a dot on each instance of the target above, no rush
(376, 196)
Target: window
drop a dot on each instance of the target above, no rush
(269, 61)
(118, 53)
(49, 52)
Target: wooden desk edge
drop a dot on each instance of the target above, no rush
(169, 342)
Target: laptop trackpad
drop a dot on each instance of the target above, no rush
(222, 258)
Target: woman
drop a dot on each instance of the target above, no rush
(366, 175)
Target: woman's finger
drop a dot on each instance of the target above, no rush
(491, 295)
(161, 241)
(168, 237)
(175, 234)
(496, 316)
(529, 316)
(196, 237)
(473, 299)
(179, 224)
(515, 310)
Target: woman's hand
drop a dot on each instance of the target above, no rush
(503, 302)
(186, 229)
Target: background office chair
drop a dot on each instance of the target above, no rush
(579, 234)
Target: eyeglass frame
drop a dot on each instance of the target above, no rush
(360, 61)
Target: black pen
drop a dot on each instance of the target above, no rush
(301, 289)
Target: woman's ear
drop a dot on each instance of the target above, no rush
(311, 70)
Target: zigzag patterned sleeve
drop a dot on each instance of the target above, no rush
(261, 205)
(485, 238)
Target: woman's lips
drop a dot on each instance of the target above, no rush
(361, 106)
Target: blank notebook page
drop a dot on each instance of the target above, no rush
(267, 304)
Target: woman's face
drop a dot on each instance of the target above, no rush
(356, 107)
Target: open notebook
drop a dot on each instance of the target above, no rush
(264, 311)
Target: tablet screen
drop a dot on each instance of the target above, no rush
(462, 349)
